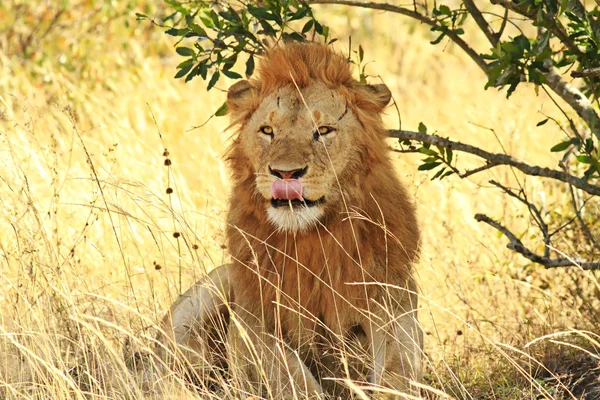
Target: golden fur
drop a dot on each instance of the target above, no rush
(302, 278)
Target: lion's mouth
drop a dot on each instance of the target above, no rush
(296, 203)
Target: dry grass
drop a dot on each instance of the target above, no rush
(89, 261)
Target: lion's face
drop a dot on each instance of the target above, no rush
(299, 143)
(307, 132)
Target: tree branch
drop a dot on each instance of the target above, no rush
(515, 244)
(586, 73)
(574, 98)
(553, 24)
(586, 230)
(503, 26)
(495, 159)
(415, 15)
(568, 93)
(536, 214)
(480, 20)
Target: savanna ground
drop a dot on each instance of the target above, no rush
(93, 249)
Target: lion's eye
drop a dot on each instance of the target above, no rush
(267, 130)
(322, 131)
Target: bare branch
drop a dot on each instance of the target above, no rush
(586, 230)
(586, 73)
(515, 244)
(496, 159)
(481, 22)
(537, 215)
(574, 98)
(503, 26)
(412, 14)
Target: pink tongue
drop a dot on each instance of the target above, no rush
(287, 189)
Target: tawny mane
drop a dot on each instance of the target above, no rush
(300, 64)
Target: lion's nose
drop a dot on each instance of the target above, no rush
(288, 174)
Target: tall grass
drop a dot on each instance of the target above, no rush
(93, 249)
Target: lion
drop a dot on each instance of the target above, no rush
(319, 298)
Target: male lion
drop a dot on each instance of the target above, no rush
(322, 236)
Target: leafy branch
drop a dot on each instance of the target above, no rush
(212, 34)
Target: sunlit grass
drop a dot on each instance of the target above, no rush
(90, 260)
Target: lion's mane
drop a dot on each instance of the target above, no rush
(372, 236)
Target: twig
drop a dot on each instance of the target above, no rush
(537, 215)
(586, 73)
(495, 159)
(577, 100)
(503, 25)
(515, 244)
(413, 14)
(586, 230)
(480, 20)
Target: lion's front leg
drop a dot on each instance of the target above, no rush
(396, 348)
(194, 329)
(269, 364)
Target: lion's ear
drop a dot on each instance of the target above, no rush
(239, 95)
(382, 94)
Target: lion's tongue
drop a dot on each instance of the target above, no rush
(287, 189)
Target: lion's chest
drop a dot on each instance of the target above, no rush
(308, 289)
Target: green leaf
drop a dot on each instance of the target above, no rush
(300, 13)
(213, 80)
(562, 146)
(203, 69)
(542, 43)
(185, 51)
(448, 173)
(445, 10)
(192, 74)
(308, 26)
(267, 28)
(422, 128)
(430, 166)
(318, 28)
(361, 54)
(439, 38)
(183, 71)
(250, 66)
(262, 13)
(543, 122)
(429, 152)
(293, 37)
(215, 19)
(176, 32)
(231, 74)
(522, 42)
(222, 110)
(584, 159)
(437, 174)
(195, 27)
